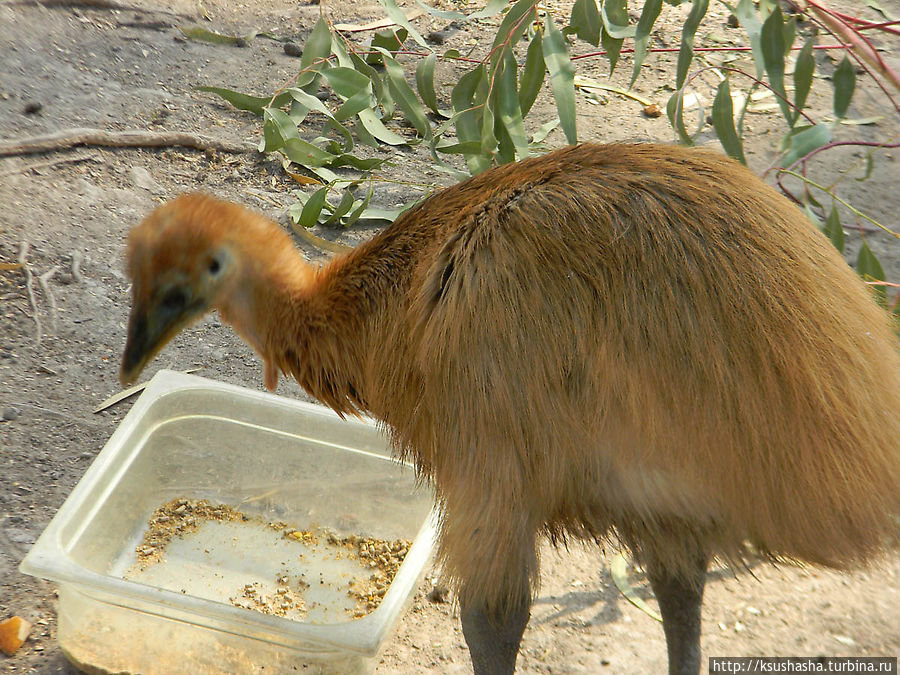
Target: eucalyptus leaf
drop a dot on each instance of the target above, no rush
(397, 16)
(358, 208)
(309, 214)
(723, 122)
(562, 78)
(772, 39)
(315, 52)
(204, 35)
(532, 74)
(586, 21)
(688, 31)
(254, 104)
(305, 154)
(614, 16)
(361, 100)
(844, 81)
(513, 27)
(469, 115)
(649, 15)
(342, 209)
(833, 229)
(375, 127)
(870, 164)
(745, 11)
(405, 97)
(543, 131)
(803, 76)
(508, 110)
(804, 141)
(346, 82)
(870, 269)
(425, 82)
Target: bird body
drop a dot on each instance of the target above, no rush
(636, 342)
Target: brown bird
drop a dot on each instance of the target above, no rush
(641, 343)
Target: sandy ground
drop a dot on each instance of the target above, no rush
(94, 67)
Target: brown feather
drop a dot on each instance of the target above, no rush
(632, 341)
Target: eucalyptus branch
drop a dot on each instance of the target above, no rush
(831, 194)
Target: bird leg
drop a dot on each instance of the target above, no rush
(680, 597)
(493, 639)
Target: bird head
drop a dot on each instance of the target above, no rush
(182, 262)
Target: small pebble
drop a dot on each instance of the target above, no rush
(10, 413)
(293, 49)
(32, 108)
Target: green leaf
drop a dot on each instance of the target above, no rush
(586, 21)
(254, 104)
(358, 208)
(463, 148)
(649, 15)
(614, 16)
(362, 164)
(543, 131)
(346, 82)
(513, 27)
(803, 77)
(353, 105)
(339, 49)
(391, 39)
(723, 122)
(746, 14)
(342, 209)
(278, 127)
(470, 115)
(405, 97)
(309, 215)
(675, 112)
(488, 139)
(507, 96)
(773, 53)
(788, 33)
(204, 35)
(870, 164)
(532, 74)
(562, 78)
(397, 16)
(833, 229)
(305, 154)
(844, 81)
(803, 141)
(316, 50)
(870, 269)
(425, 82)
(688, 31)
(375, 127)
(381, 90)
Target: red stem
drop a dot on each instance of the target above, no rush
(701, 49)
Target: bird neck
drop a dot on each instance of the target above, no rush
(306, 322)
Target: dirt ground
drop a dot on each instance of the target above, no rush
(65, 66)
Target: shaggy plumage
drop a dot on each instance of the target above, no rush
(633, 341)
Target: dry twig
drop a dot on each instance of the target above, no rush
(70, 138)
(77, 259)
(86, 157)
(44, 281)
(29, 286)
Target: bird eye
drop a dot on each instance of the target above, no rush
(214, 266)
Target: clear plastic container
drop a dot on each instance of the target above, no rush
(274, 459)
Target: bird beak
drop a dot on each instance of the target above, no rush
(150, 328)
